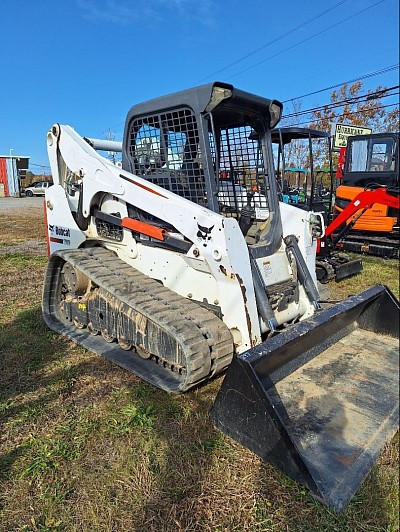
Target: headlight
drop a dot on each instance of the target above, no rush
(275, 112)
(317, 225)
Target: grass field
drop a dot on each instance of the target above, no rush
(86, 446)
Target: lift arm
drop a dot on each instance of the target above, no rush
(362, 202)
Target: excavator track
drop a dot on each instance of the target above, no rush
(104, 304)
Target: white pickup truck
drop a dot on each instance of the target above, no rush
(38, 189)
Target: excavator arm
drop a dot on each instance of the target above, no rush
(362, 202)
(344, 222)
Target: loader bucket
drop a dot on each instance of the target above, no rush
(344, 269)
(321, 399)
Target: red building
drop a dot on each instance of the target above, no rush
(12, 169)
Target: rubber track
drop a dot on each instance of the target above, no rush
(204, 339)
(379, 246)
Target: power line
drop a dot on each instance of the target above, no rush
(365, 76)
(345, 115)
(39, 165)
(356, 99)
(280, 37)
(43, 168)
(327, 107)
(307, 39)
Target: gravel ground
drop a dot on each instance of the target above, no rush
(25, 205)
(22, 216)
(29, 247)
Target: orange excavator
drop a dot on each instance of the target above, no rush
(335, 234)
(370, 162)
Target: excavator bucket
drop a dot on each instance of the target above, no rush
(321, 399)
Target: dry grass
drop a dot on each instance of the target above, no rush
(86, 446)
(24, 234)
(375, 270)
(20, 228)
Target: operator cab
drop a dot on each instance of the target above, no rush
(372, 159)
(210, 145)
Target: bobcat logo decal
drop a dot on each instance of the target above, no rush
(204, 234)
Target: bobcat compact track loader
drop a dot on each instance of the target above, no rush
(183, 263)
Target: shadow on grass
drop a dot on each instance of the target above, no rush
(27, 347)
(187, 495)
(200, 480)
(38, 375)
(190, 446)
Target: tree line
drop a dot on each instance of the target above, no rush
(350, 104)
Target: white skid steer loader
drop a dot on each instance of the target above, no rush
(183, 263)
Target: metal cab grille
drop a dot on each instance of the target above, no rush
(166, 149)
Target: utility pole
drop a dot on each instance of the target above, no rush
(110, 136)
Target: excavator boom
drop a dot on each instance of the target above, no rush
(363, 201)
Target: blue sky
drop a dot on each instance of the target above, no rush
(86, 62)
